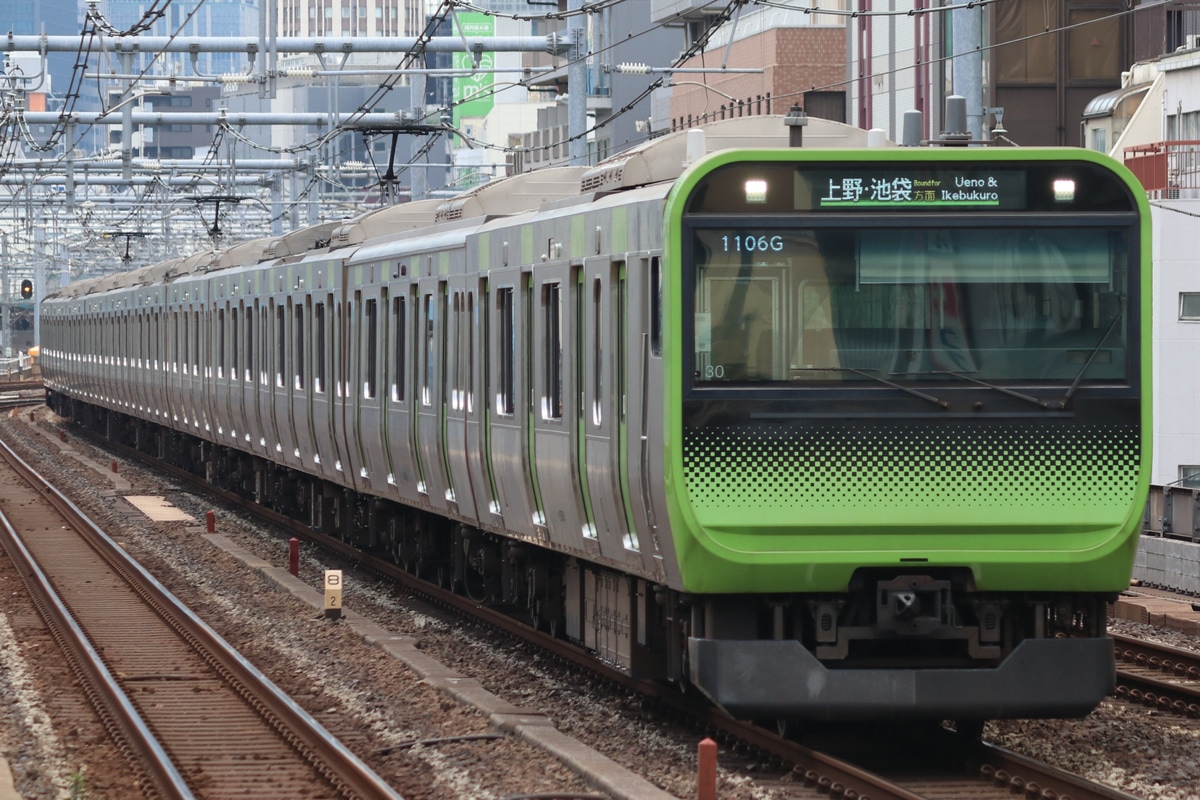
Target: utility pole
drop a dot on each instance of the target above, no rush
(577, 85)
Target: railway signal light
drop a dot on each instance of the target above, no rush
(26, 289)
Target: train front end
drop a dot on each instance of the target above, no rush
(907, 427)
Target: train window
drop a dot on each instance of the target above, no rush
(195, 342)
(470, 331)
(399, 328)
(298, 346)
(236, 346)
(181, 343)
(598, 355)
(372, 332)
(507, 350)
(925, 304)
(263, 346)
(430, 320)
(280, 344)
(442, 335)
(220, 343)
(655, 306)
(619, 338)
(248, 343)
(552, 357)
(319, 341)
(454, 379)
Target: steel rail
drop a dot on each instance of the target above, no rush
(340, 766)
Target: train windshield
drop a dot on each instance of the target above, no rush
(993, 304)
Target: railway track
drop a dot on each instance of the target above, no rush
(194, 718)
(22, 393)
(854, 765)
(1158, 675)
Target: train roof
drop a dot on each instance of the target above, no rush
(197, 262)
(513, 194)
(299, 242)
(382, 222)
(248, 252)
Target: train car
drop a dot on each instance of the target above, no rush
(823, 432)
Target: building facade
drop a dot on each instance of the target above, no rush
(336, 18)
(190, 18)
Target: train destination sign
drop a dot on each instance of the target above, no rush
(917, 189)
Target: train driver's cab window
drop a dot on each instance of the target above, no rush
(859, 305)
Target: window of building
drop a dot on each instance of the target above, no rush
(1189, 476)
(1189, 306)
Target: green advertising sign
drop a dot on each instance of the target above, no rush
(473, 93)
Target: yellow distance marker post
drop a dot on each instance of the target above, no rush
(333, 594)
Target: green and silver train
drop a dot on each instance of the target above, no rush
(823, 432)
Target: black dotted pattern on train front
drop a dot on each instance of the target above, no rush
(907, 467)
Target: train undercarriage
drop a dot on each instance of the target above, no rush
(899, 643)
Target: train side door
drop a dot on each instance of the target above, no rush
(460, 350)
(284, 445)
(371, 316)
(602, 313)
(252, 377)
(554, 371)
(507, 389)
(345, 434)
(475, 330)
(431, 400)
(173, 316)
(303, 380)
(224, 380)
(198, 390)
(399, 417)
(267, 320)
(324, 455)
(159, 363)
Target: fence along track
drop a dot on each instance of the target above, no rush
(194, 718)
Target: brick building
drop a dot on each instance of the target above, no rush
(801, 66)
(800, 59)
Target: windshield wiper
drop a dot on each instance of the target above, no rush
(1003, 390)
(927, 397)
(1066, 398)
